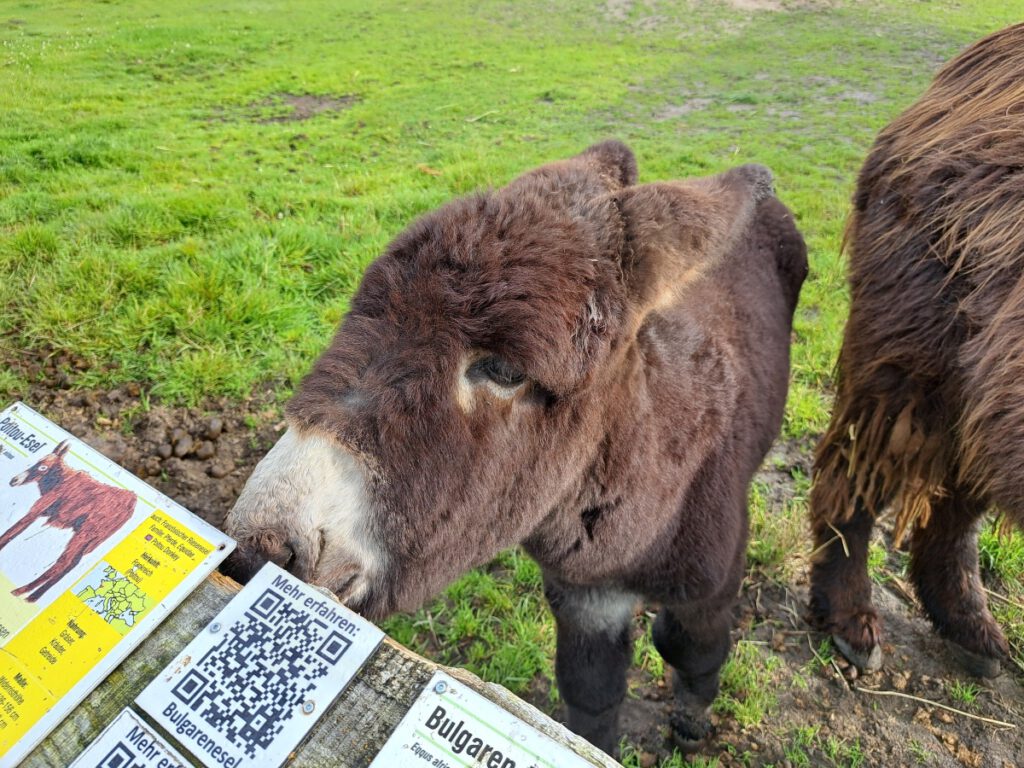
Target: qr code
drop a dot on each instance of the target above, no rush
(250, 684)
(119, 757)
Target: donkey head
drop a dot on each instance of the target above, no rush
(47, 471)
(468, 387)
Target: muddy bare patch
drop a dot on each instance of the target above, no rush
(294, 107)
(286, 108)
(786, 5)
(755, 5)
(618, 10)
(621, 12)
(676, 111)
(815, 709)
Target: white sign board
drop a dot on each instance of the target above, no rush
(129, 743)
(452, 726)
(91, 560)
(250, 686)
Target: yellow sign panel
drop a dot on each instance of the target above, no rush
(91, 559)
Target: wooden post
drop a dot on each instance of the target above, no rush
(350, 733)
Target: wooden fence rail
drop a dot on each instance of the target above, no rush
(349, 734)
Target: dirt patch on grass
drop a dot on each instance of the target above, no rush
(818, 711)
(618, 10)
(295, 107)
(676, 111)
(755, 5)
(785, 5)
(792, 701)
(286, 107)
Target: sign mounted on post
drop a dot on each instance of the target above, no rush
(91, 560)
(250, 686)
(452, 726)
(129, 743)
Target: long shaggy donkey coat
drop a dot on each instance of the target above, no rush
(929, 415)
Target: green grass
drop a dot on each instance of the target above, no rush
(806, 747)
(630, 758)
(159, 220)
(154, 222)
(963, 693)
(1002, 564)
(493, 621)
(748, 681)
(645, 655)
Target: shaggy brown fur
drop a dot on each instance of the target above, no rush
(72, 499)
(929, 414)
(651, 324)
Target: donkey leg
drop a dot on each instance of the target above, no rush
(695, 643)
(17, 529)
(840, 600)
(69, 558)
(591, 658)
(944, 568)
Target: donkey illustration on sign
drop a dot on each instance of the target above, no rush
(72, 499)
(586, 366)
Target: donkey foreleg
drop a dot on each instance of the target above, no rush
(592, 655)
(24, 522)
(72, 555)
(695, 642)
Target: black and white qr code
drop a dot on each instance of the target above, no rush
(119, 757)
(251, 682)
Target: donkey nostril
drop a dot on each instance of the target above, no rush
(253, 554)
(242, 564)
(284, 557)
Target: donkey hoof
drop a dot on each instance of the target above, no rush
(689, 732)
(868, 661)
(975, 664)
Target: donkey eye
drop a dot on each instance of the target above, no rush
(496, 370)
(43, 467)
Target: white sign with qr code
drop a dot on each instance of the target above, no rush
(129, 743)
(252, 684)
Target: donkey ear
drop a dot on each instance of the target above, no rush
(675, 231)
(62, 448)
(612, 160)
(573, 184)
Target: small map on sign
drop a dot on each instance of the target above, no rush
(118, 600)
(251, 685)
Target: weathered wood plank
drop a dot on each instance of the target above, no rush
(349, 734)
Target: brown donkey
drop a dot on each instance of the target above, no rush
(929, 413)
(590, 368)
(69, 498)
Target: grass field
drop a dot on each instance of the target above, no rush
(189, 192)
